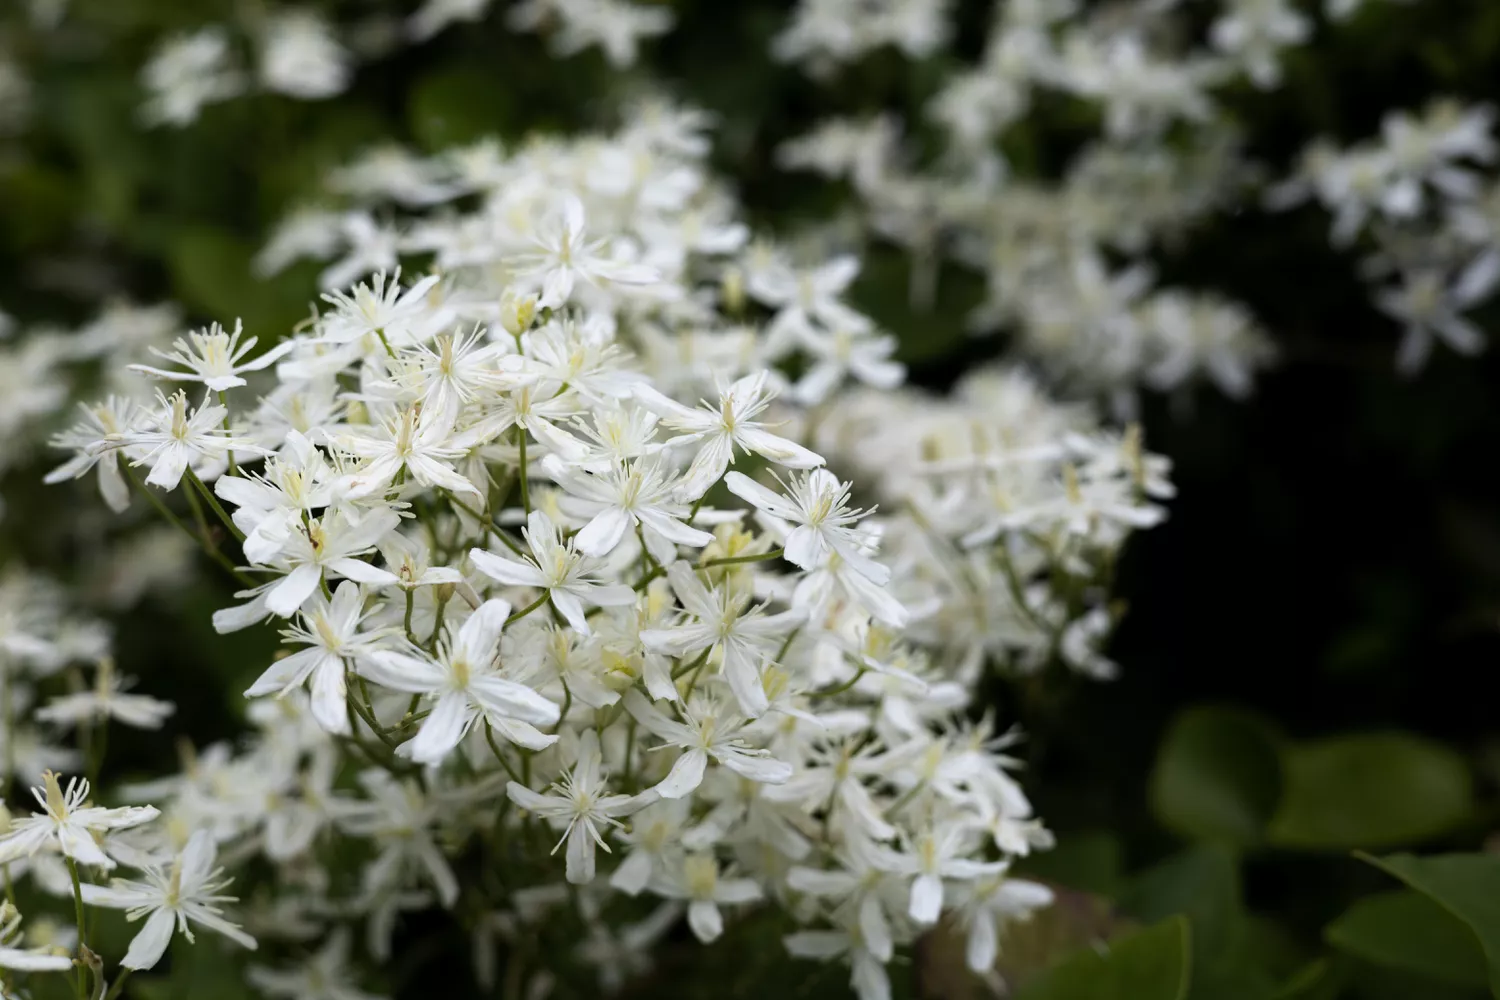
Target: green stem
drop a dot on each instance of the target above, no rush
(82, 927)
(213, 502)
(224, 402)
(172, 518)
(387, 344)
(712, 563)
(368, 715)
(525, 487)
(96, 751)
(527, 610)
(489, 736)
(114, 990)
(838, 689)
(693, 680)
(205, 536)
(694, 665)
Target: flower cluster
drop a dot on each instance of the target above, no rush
(1416, 195)
(1064, 260)
(300, 53)
(556, 541)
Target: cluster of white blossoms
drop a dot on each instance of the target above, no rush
(299, 52)
(1417, 198)
(1065, 261)
(563, 545)
(296, 53)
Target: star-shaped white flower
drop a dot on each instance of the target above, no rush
(70, 823)
(184, 892)
(580, 805)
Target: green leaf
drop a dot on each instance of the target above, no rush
(1151, 964)
(1217, 776)
(1467, 886)
(1410, 931)
(1318, 980)
(1372, 790)
(1202, 884)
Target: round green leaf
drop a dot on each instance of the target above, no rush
(1407, 930)
(1151, 964)
(1374, 790)
(1217, 776)
(1467, 886)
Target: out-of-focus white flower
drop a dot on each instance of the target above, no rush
(187, 73)
(68, 824)
(171, 898)
(301, 57)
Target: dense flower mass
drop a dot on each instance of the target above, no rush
(557, 540)
(594, 524)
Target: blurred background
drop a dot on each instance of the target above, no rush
(1309, 638)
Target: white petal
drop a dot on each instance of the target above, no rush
(600, 536)
(705, 920)
(148, 946)
(287, 596)
(686, 775)
(580, 868)
(509, 571)
(926, 899)
(442, 730)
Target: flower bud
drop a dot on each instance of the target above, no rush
(517, 312)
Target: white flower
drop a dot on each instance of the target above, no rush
(93, 438)
(841, 352)
(335, 643)
(173, 438)
(819, 509)
(569, 577)
(21, 959)
(380, 307)
(187, 73)
(329, 544)
(727, 628)
(435, 15)
(404, 443)
(700, 882)
(868, 976)
(464, 681)
(270, 505)
(638, 494)
(987, 903)
(936, 854)
(107, 700)
(567, 255)
(185, 893)
(707, 733)
(581, 806)
(70, 823)
(717, 430)
(301, 57)
(213, 357)
(1430, 310)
